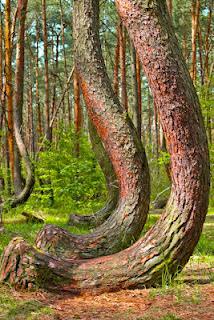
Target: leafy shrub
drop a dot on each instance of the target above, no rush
(71, 181)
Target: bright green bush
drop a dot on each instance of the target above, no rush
(70, 180)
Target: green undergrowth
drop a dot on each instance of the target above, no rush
(11, 308)
(15, 225)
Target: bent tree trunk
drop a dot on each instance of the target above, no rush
(25, 193)
(96, 219)
(121, 143)
(167, 246)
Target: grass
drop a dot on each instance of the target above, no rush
(181, 288)
(11, 308)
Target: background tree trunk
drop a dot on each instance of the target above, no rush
(195, 23)
(122, 38)
(8, 85)
(77, 113)
(47, 98)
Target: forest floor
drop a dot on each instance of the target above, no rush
(190, 296)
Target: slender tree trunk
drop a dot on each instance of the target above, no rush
(116, 63)
(184, 47)
(8, 85)
(47, 98)
(139, 92)
(157, 137)
(137, 104)
(30, 119)
(1, 56)
(2, 111)
(149, 118)
(29, 183)
(124, 96)
(207, 69)
(39, 116)
(77, 113)
(170, 7)
(65, 60)
(195, 22)
(167, 246)
(207, 42)
(200, 50)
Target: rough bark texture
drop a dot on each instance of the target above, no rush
(121, 143)
(19, 86)
(8, 85)
(96, 219)
(167, 246)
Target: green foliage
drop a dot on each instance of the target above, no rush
(74, 181)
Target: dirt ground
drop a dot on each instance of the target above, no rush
(187, 302)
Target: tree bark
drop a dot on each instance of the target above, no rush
(39, 115)
(8, 85)
(116, 62)
(167, 246)
(29, 183)
(122, 39)
(47, 98)
(195, 22)
(96, 219)
(122, 145)
(137, 93)
(19, 83)
(77, 113)
(65, 60)
(1, 56)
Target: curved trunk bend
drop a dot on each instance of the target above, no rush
(122, 145)
(168, 245)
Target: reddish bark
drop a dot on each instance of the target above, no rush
(19, 87)
(122, 39)
(171, 241)
(195, 22)
(1, 55)
(8, 84)
(169, 5)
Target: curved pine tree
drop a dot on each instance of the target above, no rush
(169, 244)
(124, 149)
